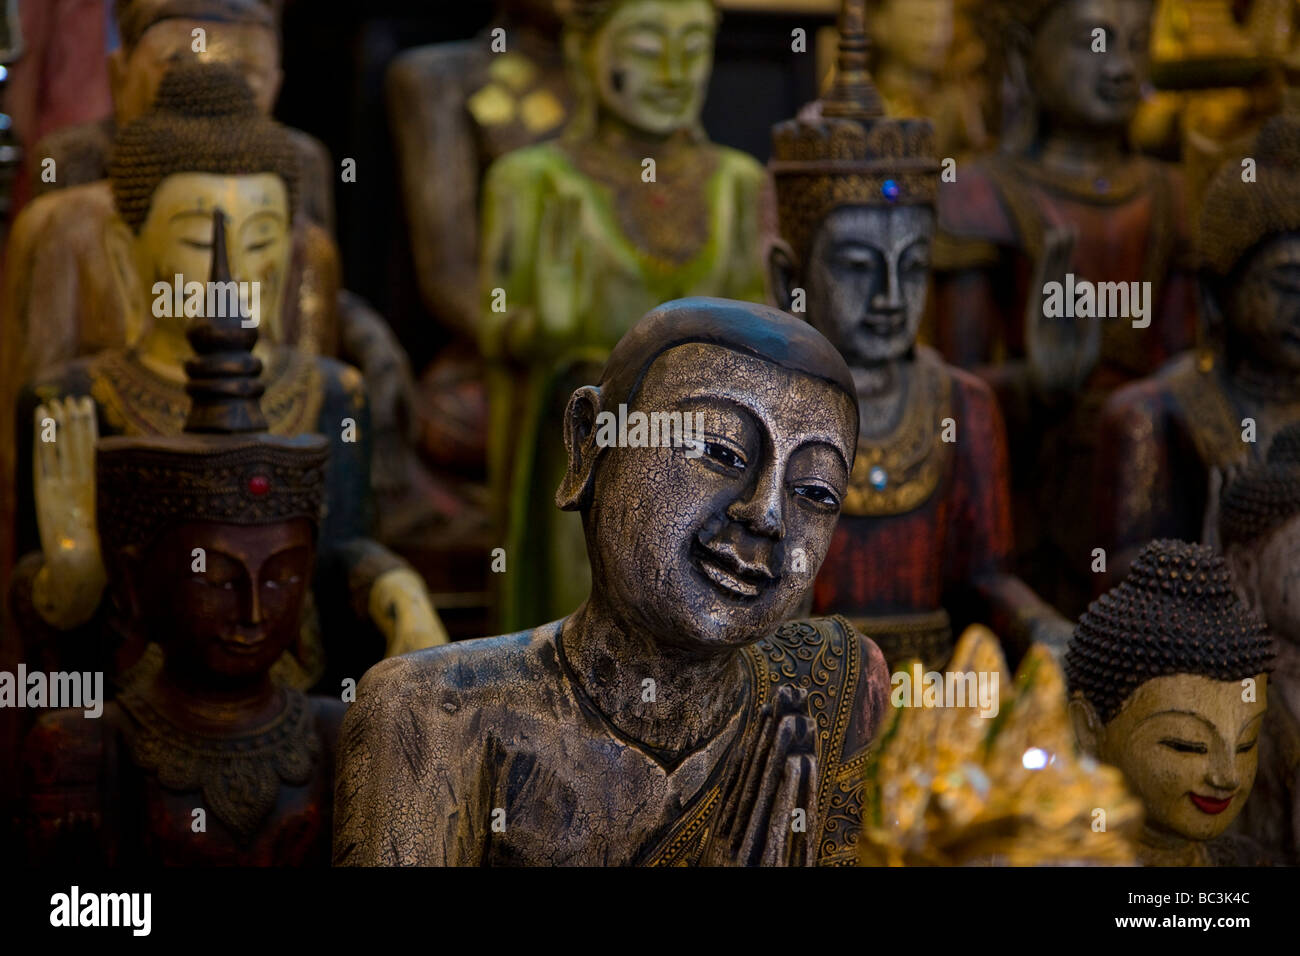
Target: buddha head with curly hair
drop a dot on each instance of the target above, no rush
(1167, 675)
(203, 146)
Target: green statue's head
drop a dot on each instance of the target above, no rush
(644, 63)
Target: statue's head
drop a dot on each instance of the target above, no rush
(158, 34)
(1259, 525)
(919, 34)
(1167, 674)
(856, 195)
(644, 63)
(209, 536)
(1250, 248)
(202, 146)
(709, 539)
(1081, 62)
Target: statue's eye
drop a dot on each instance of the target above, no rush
(259, 246)
(1247, 748)
(214, 581)
(817, 494)
(202, 245)
(722, 455)
(646, 45)
(1185, 746)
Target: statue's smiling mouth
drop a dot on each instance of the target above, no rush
(244, 643)
(730, 576)
(1210, 805)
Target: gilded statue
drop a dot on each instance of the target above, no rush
(1219, 69)
(1169, 681)
(930, 61)
(925, 535)
(956, 786)
(630, 207)
(1064, 211)
(202, 759)
(673, 718)
(204, 146)
(1171, 440)
(1259, 522)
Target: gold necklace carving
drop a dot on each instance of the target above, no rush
(899, 472)
(667, 221)
(239, 776)
(137, 402)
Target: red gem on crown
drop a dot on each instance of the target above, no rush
(259, 485)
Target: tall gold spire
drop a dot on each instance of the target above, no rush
(854, 95)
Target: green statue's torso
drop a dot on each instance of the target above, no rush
(693, 229)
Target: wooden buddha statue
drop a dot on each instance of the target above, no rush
(454, 109)
(928, 62)
(1168, 675)
(457, 108)
(156, 34)
(1259, 522)
(204, 147)
(1065, 199)
(676, 677)
(925, 537)
(1170, 440)
(630, 207)
(209, 539)
(59, 299)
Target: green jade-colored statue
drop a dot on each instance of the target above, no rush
(630, 207)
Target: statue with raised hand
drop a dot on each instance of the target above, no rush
(925, 543)
(209, 537)
(203, 171)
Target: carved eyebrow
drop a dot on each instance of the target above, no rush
(265, 214)
(1202, 718)
(1249, 721)
(186, 213)
(754, 416)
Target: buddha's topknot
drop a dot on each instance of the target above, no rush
(1175, 613)
(1262, 497)
(204, 120)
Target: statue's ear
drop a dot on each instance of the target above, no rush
(1244, 564)
(782, 273)
(1088, 727)
(580, 442)
(120, 244)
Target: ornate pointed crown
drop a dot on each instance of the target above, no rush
(843, 150)
(224, 467)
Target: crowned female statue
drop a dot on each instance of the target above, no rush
(925, 537)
